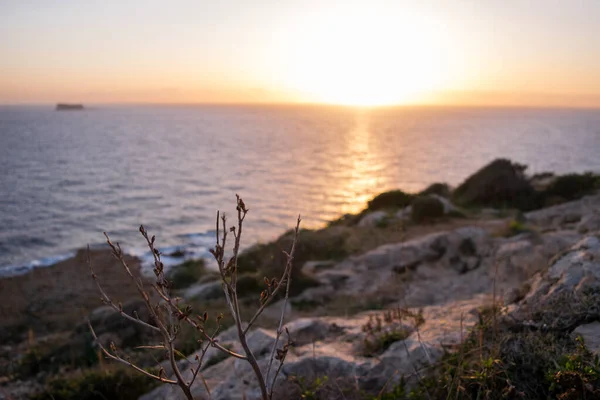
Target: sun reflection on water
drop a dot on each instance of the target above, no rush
(359, 170)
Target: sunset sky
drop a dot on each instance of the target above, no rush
(509, 52)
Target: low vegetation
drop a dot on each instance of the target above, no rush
(501, 358)
(572, 186)
(514, 227)
(393, 199)
(503, 184)
(114, 383)
(426, 208)
(500, 184)
(312, 245)
(186, 274)
(507, 359)
(393, 325)
(169, 314)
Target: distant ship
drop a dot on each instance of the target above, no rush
(68, 107)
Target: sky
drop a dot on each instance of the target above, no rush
(371, 52)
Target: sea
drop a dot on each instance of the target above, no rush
(68, 176)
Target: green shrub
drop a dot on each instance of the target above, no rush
(381, 331)
(380, 343)
(390, 200)
(426, 209)
(31, 363)
(186, 274)
(500, 184)
(74, 351)
(504, 359)
(249, 285)
(514, 228)
(346, 220)
(114, 384)
(576, 376)
(310, 391)
(573, 186)
(268, 260)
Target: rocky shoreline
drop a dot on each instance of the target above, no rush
(384, 300)
(450, 276)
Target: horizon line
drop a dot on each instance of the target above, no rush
(312, 104)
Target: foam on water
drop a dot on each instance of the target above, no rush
(14, 270)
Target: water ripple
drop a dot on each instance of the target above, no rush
(67, 177)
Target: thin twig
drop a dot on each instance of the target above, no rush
(382, 391)
(288, 269)
(194, 324)
(168, 317)
(107, 300)
(233, 300)
(121, 360)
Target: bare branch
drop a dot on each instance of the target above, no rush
(108, 301)
(288, 277)
(168, 315)
(123, 361)
(229, 287)
(199, 328)
(281, 354)
(180, 381)
(201, 360)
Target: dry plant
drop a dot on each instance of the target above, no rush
(168, 315)
(383, 330)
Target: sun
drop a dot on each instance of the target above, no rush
(364, 56)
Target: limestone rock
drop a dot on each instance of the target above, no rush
(549, 277)
(561, 296)
(308, 330)
(554, 217)
(373, 219)
(312, 267)
(591, 336)
(205, 291)
(589, 223)
(448, 206)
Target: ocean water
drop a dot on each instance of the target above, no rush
(66, 177)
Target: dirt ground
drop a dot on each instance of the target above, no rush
(58, 297)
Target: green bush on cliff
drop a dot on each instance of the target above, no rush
(186, 274)
(114, 384)
(390, 200)
(249, 285)
(73, 352)
(268, 260)
(426, 208)
(513, 228)
(500, 184)
(573, 186)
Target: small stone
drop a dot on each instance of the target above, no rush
(312, 267)
(373, 219)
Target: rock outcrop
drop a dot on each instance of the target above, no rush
(567, 293)
(548, 277)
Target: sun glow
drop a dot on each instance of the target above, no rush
(366, 57)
